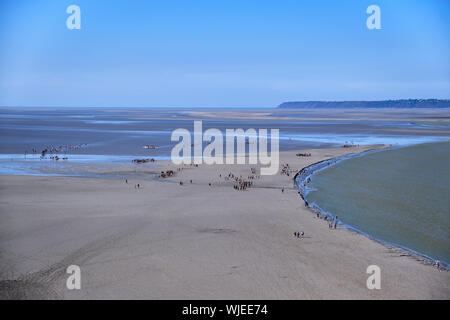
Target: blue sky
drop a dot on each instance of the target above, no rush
(221, 52)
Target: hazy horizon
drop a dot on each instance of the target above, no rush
(219, 107)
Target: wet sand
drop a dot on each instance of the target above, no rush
(124, 131)
(191, 241)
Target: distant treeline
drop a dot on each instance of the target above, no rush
(411, 103)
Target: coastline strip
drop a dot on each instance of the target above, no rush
(302, 179)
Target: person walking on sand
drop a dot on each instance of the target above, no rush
(438, 264)
(335, 222)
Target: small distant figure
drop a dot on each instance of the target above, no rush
(336, 222)
(126, 181)
(438, 265)
(139, 186)
(209, 184)
(191, 181)
(302, 234)
(181, 183)
(282, 190)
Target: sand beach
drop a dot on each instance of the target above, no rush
(196, 240)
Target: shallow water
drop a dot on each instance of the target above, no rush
(117, 135)
(400, 196)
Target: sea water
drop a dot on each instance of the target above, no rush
(401, 196)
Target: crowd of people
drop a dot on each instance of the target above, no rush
(55, 150)
(333, 221)
(56, 158)
(303, 154)
(240, 183)
(286, 170)
(167, 173)
(141, 161)
(299, 235)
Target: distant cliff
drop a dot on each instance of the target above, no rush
(411, 103)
